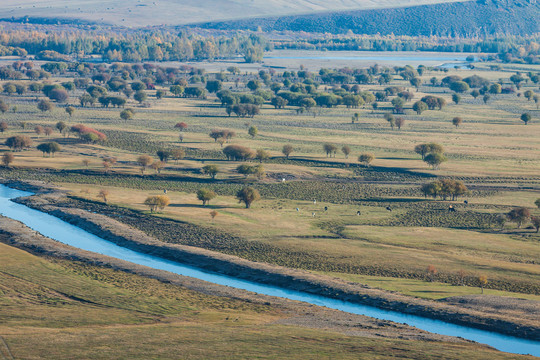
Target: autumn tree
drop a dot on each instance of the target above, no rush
(158, 166)
(482, 282)
(182, 126)
(248, 195)
(424, 149)
(3, 126)
(399, 122)
(519, 215)
(7, 158)
(330, 149)
(366, 159)
(156, 202)
(18, 142)
(103, 194)
(144, 161)
(178, 154)
(205, 195)
(535, 220)
(262, 155)
(287, 150)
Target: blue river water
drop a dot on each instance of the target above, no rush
(66, 233)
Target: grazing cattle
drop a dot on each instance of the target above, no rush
(326, 208)
(358, 213)
(297, 209)
(165, 191)
(466, 202)
(388, 208)
(451, 208)
(313, 214)
(314, 202)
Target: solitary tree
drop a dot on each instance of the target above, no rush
(482, 282)
(346, 150)
(127, 114)
(262, 155)
(178, 154)
(366, 159)
(140, 96)
(181, 126)
(158, 166)
(45, 105)
(157, 202)
(213, 214)
(399, 122)
(535, 220)
(424, 149)
(144, 161)
(287, 150)
(457, 121)
(456, 98)
(49, 148)
(163, 155)
(39, 130)
(537, 203)
(70, 110)
(210, 170)
(3, 126)
(18, 142)
(420, 107)
(526, 118)
(7, 158)
(519, 215)
(435, 160)
(330, 149)
(205, 195)
(253, 131)
(248, 195)
(103, 194)
(61, 126)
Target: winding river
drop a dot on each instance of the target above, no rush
(63, 232)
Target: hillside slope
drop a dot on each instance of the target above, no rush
(482, 17)
(177, 12)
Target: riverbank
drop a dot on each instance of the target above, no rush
(480, 313)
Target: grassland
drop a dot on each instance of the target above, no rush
(61, 309)
(308, 221)
(492, 152)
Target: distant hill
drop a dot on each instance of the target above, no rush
(482, 17)
(140, 13)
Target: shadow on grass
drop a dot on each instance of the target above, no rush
(210, 207)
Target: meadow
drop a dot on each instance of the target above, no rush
(329, 214)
